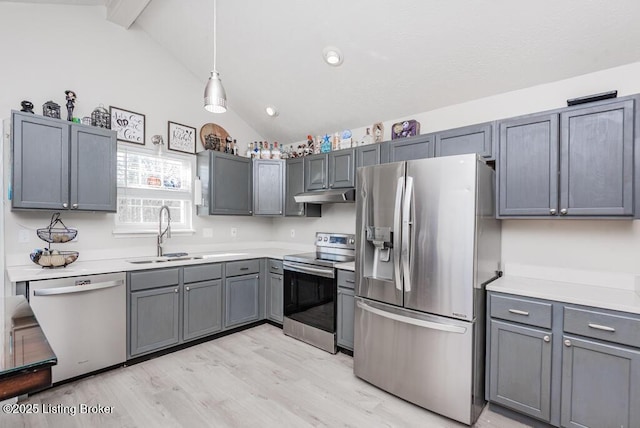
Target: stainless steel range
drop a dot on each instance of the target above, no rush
(310, 289)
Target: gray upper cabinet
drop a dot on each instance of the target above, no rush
(341, 169)
(574, 162)
(367, 155)
(294, 184)
(268, 187)
(470, 139)
(600, 384)
(316, 172)
(58, 165)
(404, 149)
(520, 369)
(226, 184)
(596, 160)
(527, 166)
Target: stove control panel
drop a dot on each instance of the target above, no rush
(336, 240)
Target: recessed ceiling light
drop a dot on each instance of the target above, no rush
(271, 111)
(332, 56)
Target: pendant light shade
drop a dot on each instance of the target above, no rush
(215, 98)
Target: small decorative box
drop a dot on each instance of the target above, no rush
(408, 128)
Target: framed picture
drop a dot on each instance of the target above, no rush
(128, 124)
(182, 138)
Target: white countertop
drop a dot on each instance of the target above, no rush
(91, 267)
(568, 292)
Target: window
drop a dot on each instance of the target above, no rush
(146, 182)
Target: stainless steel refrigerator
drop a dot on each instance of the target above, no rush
(427, 242)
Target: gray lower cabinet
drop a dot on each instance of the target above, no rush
(202, 308)
(600, 384)
(242, 292)
(404, 149)
(268, 187)
(227, 186)
(294, 184)
(573, 162)
(520, 368)
(59, 165)
(275, 297)
(346, 308)
(154, 319)
(469, 139)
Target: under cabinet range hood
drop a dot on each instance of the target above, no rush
(327, 196)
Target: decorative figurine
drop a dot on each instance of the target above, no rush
(345, 141)
(325, 147)
(71, 99)
(51, 109)
(408, 128)
(27, 106)
(378, 132)
(100, 117)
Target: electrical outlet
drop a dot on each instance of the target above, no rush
(207, 232)
(234, 232)
(23, 236)
(293, 233)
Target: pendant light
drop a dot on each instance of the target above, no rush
(215, 98)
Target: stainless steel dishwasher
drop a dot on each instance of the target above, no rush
(84, 319)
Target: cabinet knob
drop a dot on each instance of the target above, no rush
(65, 205)
(546, 338)
(563, 211)
(74, 206)
(567, 342)
(187, 288)
(175, 290)
(552, 211)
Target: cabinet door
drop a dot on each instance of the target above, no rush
(275, 297)
(346, 309)
(600, 385)
(341, 165)
(241, 299)
(230, 185)
(93, 169)
(154, 319)
(470, 139)
(202, 309)
(520, 369)
(418, 147)
(527, 170)
(315, 172)
(367, 155)
(294, 185)
(40, 162)
(596, 169)
(268, 187)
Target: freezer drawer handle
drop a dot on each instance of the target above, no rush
(77, 288)
(519, 312)
(602, 327)
(420, 323)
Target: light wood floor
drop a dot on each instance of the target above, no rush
(255, 378)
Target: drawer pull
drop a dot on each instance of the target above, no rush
(519, 312)
(244, 268)
(350, 281)
(602, 327)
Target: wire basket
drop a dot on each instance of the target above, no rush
(56, 232)
(54, 258)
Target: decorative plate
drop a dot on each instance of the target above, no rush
(213, 136)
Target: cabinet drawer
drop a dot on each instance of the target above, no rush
(154, 278)
(521, 310)
(599, 325)
(275, 266)
(202, 273)
(346, 279)
(242, 267)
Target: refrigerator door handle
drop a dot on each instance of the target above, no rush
(413, 321)
(397, 227)
(406, 228)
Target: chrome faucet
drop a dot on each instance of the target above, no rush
(167, 230)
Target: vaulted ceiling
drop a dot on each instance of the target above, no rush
(401, 57)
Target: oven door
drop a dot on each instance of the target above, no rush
(310, 295)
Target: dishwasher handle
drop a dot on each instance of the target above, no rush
(77, 288)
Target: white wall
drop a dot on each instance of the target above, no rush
(602, 245)
(48, 49)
